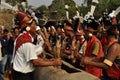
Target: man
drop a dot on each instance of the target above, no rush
(111, 61)
(93, 48)
(15, 32)
(7, 43)
(105, 25)
(69, 46)
(24, 57)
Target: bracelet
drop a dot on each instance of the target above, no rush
(108, 62)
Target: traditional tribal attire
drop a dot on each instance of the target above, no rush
(90, 51)
(24, 52)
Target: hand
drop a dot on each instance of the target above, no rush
(52, 59)
(67, 52)
(77, 55)
(57, 62)
(46, 43)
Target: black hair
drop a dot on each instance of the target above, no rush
(60, 25)
(75, 24)
(5, 31)
(92, 23)
(68, 23)
(110, 31)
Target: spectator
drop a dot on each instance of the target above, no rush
(7, 43)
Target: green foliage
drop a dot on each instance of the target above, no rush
(106, 5)
(59, 6)
(57, 9)
(13, 2)
(113, 4)
(89, 2)
(42, 8)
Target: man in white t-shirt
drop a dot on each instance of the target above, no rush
(24, 57)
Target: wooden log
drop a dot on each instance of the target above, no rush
(53, 73)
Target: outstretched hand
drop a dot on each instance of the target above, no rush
(57, 62)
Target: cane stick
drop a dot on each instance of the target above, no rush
(57, 50)
(73, 47)
(46, 39)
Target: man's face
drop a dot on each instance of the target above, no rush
(106, 27)
(87, 32)
(69, 32)
(6, 34)
(33, 27)
(59, 30)
(52, 31)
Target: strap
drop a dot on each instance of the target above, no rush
(21, 40)
(111, 43)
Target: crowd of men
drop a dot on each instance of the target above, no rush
(92, 46)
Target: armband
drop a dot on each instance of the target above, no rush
(108, 62)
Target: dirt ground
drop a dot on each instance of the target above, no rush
(6, 79)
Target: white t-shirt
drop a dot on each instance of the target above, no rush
(82, 49)
(38, 47)
(40, 40)
(22, 59)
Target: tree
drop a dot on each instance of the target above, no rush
(42, 8)
(13, 2)
(104, 5)
(58, 6)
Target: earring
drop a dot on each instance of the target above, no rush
(82, 37)
(27, 28)
(90, 34)
(49, 29)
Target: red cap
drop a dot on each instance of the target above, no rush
(23, 18)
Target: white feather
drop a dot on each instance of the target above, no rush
(117, 11)
(112, 14)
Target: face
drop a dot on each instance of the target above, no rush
(33, 28)
(52, 31)
(78, 37)
(106, 27)
(6, 35)
(59, 30)
(69, 32)
(87, 34)
(16, 31)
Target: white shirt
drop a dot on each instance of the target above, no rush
(38, 47)
(22, 59)
(40, 40)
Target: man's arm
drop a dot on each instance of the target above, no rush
(44, 63)
(107, 62)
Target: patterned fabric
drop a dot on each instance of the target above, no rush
(114, 70)
(22, 39)
(89, 52)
